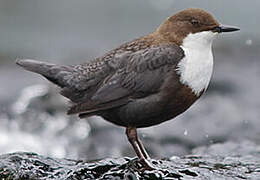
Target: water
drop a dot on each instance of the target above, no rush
(206, 166)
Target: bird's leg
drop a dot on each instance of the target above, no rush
(141, 146)
(132, 138)
(134, 135)
(138, 146)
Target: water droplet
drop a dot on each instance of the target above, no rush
(185, 132)
(174, 158)
(249, 42)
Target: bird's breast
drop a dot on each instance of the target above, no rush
(195, 69)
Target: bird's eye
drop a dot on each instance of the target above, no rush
(194, 22)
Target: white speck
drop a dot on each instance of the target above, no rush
(174, 158)
(207, 136)
(249, 42)
(185, 132)
(114, 82)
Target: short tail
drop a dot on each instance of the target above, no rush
(60, 75)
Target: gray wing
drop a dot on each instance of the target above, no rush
(139, 74)
(76, 82)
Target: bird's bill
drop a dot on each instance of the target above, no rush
(226, 28)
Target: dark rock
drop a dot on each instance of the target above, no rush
(24, 165)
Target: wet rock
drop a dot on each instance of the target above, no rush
(23, 165)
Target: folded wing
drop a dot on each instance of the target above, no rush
(112, 80)
(137, 75)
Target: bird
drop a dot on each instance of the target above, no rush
(143, 82)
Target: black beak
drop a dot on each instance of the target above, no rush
(224, 28)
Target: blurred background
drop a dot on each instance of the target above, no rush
(32, 114)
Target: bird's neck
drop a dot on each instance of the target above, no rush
(166, 33)
(195, 69)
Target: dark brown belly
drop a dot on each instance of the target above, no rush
(154, 109)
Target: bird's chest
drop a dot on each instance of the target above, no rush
(195, 69)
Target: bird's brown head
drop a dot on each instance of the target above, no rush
(190, 21)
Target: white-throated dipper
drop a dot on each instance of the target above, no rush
(143, 82)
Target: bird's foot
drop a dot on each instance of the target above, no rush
(146, 165)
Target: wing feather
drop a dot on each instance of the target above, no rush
(142, 74)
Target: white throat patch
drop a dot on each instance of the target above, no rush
(195, 69)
